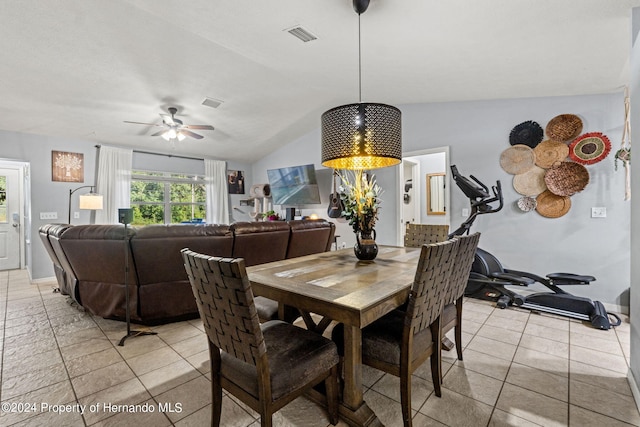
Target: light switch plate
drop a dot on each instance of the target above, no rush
(465, 212)
(48, 215)
(598, 212)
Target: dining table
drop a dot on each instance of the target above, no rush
(335, 286)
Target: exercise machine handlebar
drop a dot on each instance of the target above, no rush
(479, 198)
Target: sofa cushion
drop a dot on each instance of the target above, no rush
(309, 237)
(260, 242)
(159, 265)
(156, 249)
(96, 254)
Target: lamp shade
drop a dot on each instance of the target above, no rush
(90, 201)
(361, 136)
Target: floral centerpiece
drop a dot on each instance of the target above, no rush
(360, 196)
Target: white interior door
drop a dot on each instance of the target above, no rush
(9, 219)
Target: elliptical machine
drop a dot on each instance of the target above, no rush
(488, 278)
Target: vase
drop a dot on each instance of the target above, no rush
(365, 247)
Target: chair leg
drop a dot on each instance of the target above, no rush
(340, 377)
(331, 386)
(458, 328)
(405, 398)
(436, 368)
(216, 399)
(216, 385)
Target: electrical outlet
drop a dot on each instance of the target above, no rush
(76, 215)
(48, 215)
(598, 212)
(465, 212)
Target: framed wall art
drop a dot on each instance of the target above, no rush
(67, 167)
(235, 181)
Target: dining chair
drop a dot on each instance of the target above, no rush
(399, 342)
(452, 311)
(417, 235)
(266, 365)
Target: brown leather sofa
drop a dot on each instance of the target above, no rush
(89, 262)
(58, 269)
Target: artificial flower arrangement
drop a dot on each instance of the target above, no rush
(360, 196)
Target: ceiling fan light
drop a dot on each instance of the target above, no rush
(180, 136)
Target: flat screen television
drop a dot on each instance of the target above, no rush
(294, 186)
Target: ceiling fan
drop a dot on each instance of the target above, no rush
(175, 128)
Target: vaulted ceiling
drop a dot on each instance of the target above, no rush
(80, 68)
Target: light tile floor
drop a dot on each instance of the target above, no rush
(519, 369)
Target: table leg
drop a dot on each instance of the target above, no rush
(353, 408)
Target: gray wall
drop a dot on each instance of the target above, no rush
(477, 132)
(46, 195)
(49, 196)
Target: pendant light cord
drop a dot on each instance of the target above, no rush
(359, 62)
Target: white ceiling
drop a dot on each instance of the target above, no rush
(79, 68)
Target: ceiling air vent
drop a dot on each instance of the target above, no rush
(210, 102)
(301, 33)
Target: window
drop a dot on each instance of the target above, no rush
(166, 198)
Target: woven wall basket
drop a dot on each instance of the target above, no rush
(590, 148)
(551, 205)
(527, 204)
(567, 178)
(530, 183)
(549, 152)
(527, 133)
(517, 159)
(564, 127)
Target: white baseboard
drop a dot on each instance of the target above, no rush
(634, 388)
(614, 308)
(43, 279)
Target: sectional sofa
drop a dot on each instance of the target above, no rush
(91, 261)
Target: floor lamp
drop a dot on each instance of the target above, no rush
(90, 201)
(125, 216)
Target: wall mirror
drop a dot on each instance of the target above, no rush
(435, 194)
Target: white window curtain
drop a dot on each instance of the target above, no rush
(113, 182)
(217, 192)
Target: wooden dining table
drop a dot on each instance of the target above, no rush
(336, 286)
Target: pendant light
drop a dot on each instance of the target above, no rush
(363, 135)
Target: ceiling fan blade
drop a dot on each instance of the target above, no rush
(167, 119)
(203, 127)
(159, 133)
(140, 123)
(191, 134)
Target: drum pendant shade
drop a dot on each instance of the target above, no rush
(361, 136)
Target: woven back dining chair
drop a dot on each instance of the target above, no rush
(452, 310)
(417, 235)
(267, 365)
(402, 340)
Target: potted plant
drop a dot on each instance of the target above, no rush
(271, 216)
